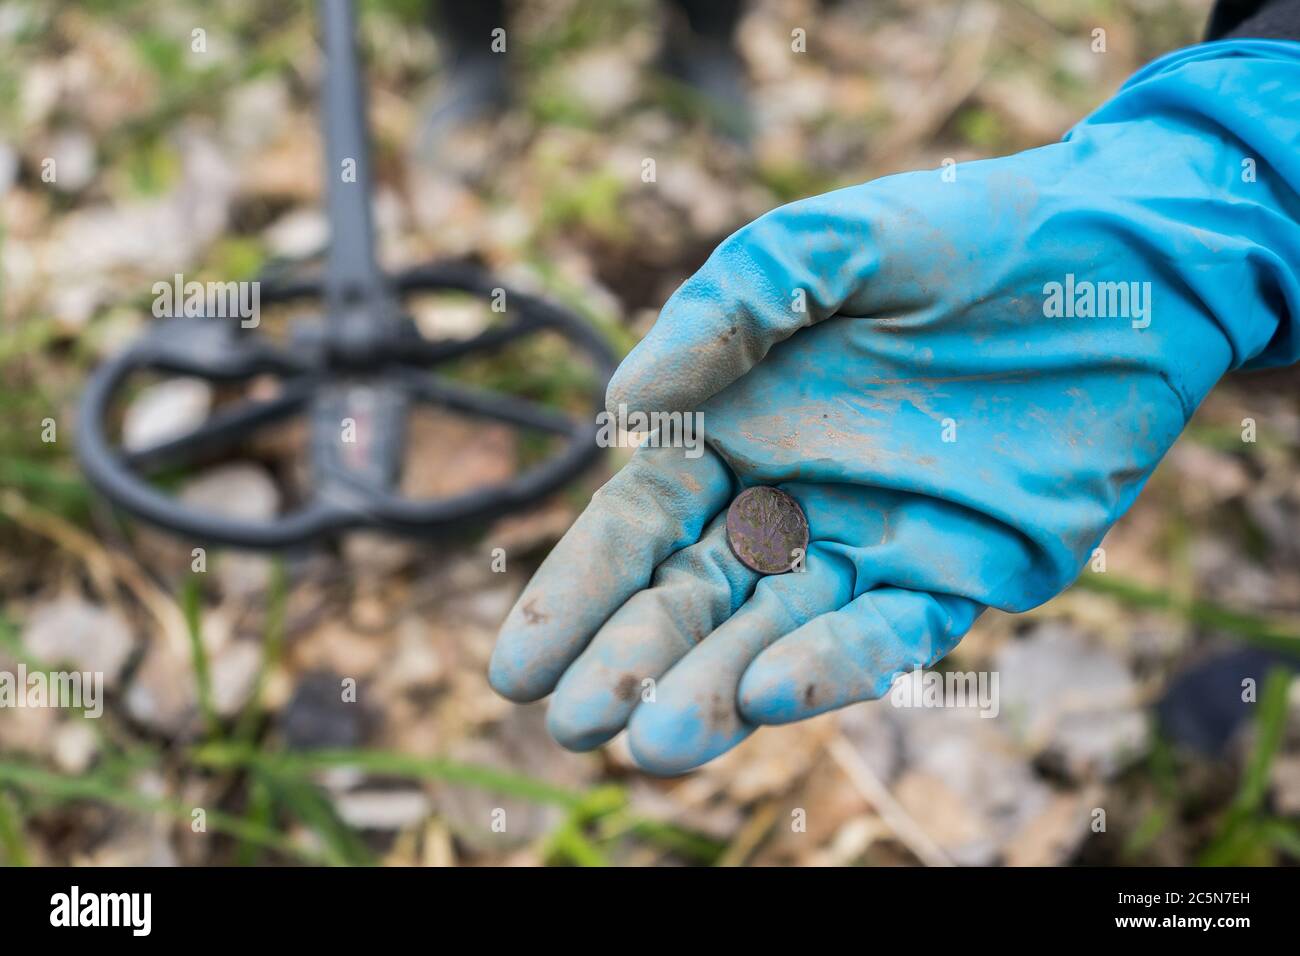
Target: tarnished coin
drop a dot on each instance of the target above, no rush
(767, 530)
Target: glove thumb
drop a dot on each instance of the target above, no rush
(791, 268)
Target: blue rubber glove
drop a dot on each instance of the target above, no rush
(990, 361)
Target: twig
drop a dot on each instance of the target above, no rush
(438, 848)
(966, 66)
(874, 791)
(751, 835)
(105, 567)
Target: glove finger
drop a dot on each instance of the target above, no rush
(694, 591)
(653, 507)
(790, 268)
(852, 654)
(692, 716)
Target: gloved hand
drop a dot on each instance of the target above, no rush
(988, 368)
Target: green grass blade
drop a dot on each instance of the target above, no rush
(568, 844)
(11, 833)
(1271, 725)
(605, 805)
(1251, 628)
(1285, 836)
(59, 490)
(685, 843)
(272, 645)
(261, 814)
(391, 764)
(1152, 825)
(192, 605)
(313, 808)
(1242, 834)
(95, 787)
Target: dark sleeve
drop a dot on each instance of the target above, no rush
(1261, 19)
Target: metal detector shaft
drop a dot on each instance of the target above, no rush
(352, 273)
(355, 379)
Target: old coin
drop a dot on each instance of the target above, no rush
(767, 530)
